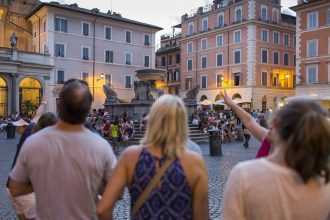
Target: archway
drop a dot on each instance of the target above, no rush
(30, 93)
(3, 97)
(237, 96)
(218, 97)
(203, 97)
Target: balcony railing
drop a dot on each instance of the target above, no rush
(6, 54)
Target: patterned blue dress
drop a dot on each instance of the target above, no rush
(172, 201)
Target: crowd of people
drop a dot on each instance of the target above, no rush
(66, 171)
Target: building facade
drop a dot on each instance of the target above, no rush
(168, 57)
(246, 47)
(313, 49)
(100, 48)
(24, 75)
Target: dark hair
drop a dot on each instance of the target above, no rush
(304, 127)
(74, 102)
(47, 119)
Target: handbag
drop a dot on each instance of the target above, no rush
(153, 182)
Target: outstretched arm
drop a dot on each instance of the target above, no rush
(40, 110)
(258, 131)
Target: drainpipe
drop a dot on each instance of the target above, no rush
(93, 85)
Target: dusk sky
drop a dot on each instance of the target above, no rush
(157, 12)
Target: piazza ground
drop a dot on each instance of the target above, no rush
(218, 171)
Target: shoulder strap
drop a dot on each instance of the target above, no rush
(150, 186)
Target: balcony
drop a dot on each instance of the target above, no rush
(6, 54)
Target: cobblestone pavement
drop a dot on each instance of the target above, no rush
(218, 171)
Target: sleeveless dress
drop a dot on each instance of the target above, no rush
(171, 199)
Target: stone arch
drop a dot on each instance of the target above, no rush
(3, 97)
(203, 97)
(236, 96)
(30, 94)
(218, 97)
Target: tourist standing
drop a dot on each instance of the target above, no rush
(66, 164)
(291, 183)
(162, 153)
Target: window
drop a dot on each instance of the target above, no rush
(84, 76)
(275, 80)
(286, 40)
(176, 74)
(312, 20)
(108, 56)
(237, 57)
(237, 77)
(264, 78)
(177, 58)
(312, 48)
(190, 28)
(276, 57)
(61, 24)
(264, 56)
(170, 60)
(276, 37)
(204, 82)
(264, 13)
(328, 16)
(238, 14)
(147, 39)
(60, 77)
(188, 83)
(85, 27)
(128, 58)
(146, 61)
(128, 36)
(219, 59)
(275, 15)
(264, 34)
(46, 49)
(220, 19)
(311, 74)
(294, 40)
(204, 62)
(189, 47)
(107, 79)
(294, 60)
(189, 64)
(237, 36)
(85, 53)
(108, 33)
(35, 30)
(219, 40)
(205, 25)
(219, 80)
(286, 59)
(163, 61)
(204, 44)
(59, 50)
(44, 24)
(128, 81)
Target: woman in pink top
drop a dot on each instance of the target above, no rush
(293, 182)
(256, 130)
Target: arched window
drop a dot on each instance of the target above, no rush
(238, 15)
(30, 96)
(220, 20)
(237, 96)
(264, 14)
(190, 29)
(205, 24)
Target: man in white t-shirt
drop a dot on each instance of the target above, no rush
(66, 165)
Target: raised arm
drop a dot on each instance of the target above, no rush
(40, 110)
(256, 130)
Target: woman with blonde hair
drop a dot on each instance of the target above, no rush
(293, 182)
(165, 180)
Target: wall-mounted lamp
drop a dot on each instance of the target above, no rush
(102, 77)
(221, 78)
(287, 76)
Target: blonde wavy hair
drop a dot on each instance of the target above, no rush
(167, 126)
